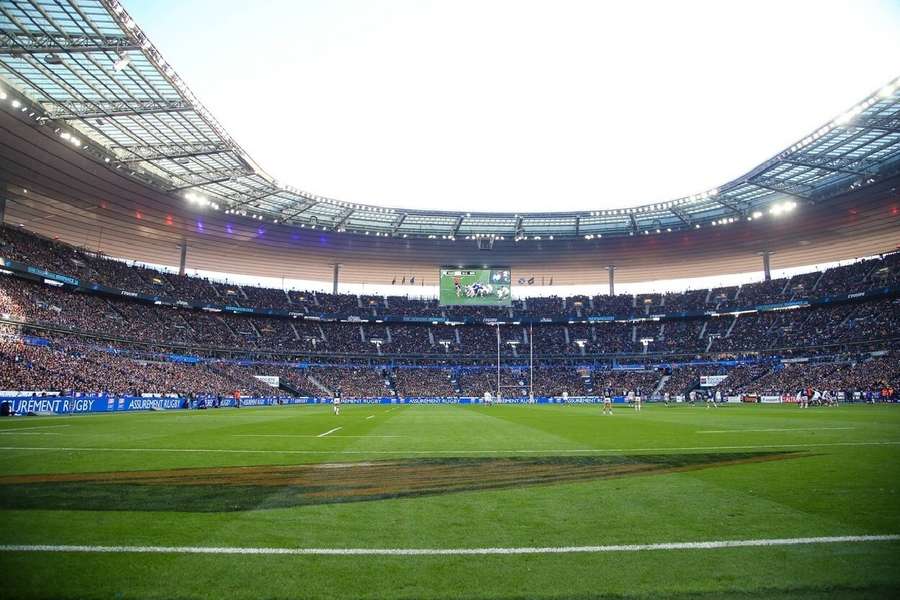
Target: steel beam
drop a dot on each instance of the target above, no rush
(397, 225)
(342, 218)
(99, 109)
(17, 43)
(780, 187)
(137, 153)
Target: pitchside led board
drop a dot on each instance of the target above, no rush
(470, 286)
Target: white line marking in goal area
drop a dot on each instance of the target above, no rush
(329, 431)
(844, 539)
(547, 451)
(776, 429)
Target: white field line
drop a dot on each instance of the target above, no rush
(18, 429)
(513, 451)
(29, 433)
(298, 435)
(370, 417)
(712, 545)
(777, 429)
(329, 431)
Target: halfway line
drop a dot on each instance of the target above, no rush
(455, 551)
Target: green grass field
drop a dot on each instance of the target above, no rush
(453, 477)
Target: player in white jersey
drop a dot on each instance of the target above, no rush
(488, 398)
(565, 397)
(336, 401)
(692, 396)
(718, 397)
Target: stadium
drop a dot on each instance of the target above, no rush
(215, 384)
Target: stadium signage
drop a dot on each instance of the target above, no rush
(239, 309)
(47, 274)
(783, 306)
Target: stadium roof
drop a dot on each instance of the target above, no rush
(86, 70)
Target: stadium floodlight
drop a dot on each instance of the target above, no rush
(2, 95)
(16, 104)
(887, 91)
(757, 214)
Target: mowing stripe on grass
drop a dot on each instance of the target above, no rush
(713, 545)
(300, 435)
(777, 429)
(451, 452)
(18, 429)
(329, 431)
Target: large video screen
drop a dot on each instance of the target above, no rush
(475, 287)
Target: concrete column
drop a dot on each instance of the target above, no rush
(334, 279)
(766, 268)
(182, 263)
(612, 279)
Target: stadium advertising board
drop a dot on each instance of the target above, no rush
(471, 286)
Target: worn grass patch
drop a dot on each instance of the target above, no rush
(276, 486)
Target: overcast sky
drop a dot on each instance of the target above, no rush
(516, 105)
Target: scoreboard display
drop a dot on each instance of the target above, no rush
(475, 286)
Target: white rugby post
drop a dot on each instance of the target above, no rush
(498, 362)
(531, 362)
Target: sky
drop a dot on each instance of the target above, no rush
(515, 105)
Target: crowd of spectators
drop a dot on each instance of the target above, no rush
(67, 364)
(73, 369)
(822, 329)
(813, 329)
(90, 266)
(424, 382)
